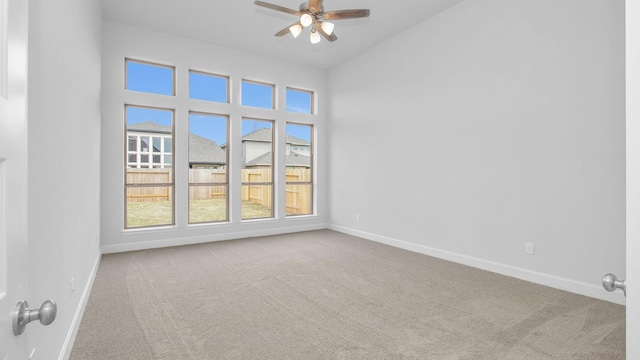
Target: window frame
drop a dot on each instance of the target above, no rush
(273, 194)
(227, 164)
(273, 168)
(170, 185)
(311, 181)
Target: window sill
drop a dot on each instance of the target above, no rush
(147, 230)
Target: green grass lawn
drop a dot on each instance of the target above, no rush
(155, 213)
(201, 211)
(149, 213)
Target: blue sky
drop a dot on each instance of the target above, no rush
(159, 80)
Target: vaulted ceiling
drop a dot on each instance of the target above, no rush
(241, 25)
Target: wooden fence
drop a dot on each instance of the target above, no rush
(259, 194)
(205, 192)
(297, 199)
(148, 193)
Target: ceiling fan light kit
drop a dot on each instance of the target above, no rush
(315, 37)
(295, 30)
(312, 14)
(306, 20)
(327, 27)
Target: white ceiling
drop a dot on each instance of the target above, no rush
(241, 25)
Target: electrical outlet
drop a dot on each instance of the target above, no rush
(357, 217)
(528, 248)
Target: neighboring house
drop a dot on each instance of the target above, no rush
(150, 146)
(298, 161)
(257, 150)
(205, 153)
(297, 146)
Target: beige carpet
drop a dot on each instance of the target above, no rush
(326, 295)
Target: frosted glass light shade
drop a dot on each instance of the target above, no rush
(327, 27)
(306, 20)
(315, 37)
(295, 30)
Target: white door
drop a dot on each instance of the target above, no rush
(633, 177)
(13, 172)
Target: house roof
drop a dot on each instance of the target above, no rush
(294, 159)
(205, 151)
(296, 140)
(264, 135)
(150, 127)
(262, 160)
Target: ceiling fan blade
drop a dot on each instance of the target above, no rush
(286, 30)
(277, 8)
(345, 14)
(315, 4)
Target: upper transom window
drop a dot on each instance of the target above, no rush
(149, 77)
(300, 101)
(258, 94)
(210, 87)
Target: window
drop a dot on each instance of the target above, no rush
(299, 101)
(299, 174)
(147, 151)
(208, 171)
(257, 174)
(258, 94)
(149, 181)
(201, 122)
(150, 78)
(209, 87)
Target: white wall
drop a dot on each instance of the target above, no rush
(253, 149)
(64, 156)
(123, 41)
(495, 123)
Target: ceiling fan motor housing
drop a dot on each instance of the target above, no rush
(311, 11)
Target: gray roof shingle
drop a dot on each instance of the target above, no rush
(264, 135)
(150, 127)
(294, 159)
(262, 160)
(205, 151)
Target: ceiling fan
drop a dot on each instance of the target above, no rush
(312, 14)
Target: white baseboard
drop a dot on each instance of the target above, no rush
(77, 317)
(519, 273)
(232, 235)
(553, 281)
